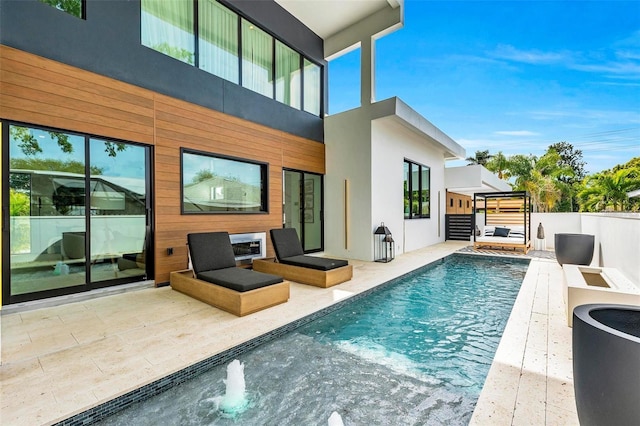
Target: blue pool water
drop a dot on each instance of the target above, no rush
(414, 352)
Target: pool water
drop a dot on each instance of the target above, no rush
(414, 352)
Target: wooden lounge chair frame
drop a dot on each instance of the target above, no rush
(300, 274)
(239, 303)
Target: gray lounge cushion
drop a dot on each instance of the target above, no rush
(312, 262)
(239, 279)
(289, 251)
(286, 242)
(210, 250)
(213, 261)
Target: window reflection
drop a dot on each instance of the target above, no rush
(213, 184)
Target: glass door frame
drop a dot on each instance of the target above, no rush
(301, 201)
(7, 297)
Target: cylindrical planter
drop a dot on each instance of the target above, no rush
(606, 364)
(574, 249)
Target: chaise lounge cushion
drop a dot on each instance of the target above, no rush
(320, 263)
(286, 243)
(210, 250)
(239, 279)
(289, 251)
(213, 261)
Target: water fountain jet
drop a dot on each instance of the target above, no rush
(234, 400)
(335, 419)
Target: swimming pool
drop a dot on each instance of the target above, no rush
(415, 351)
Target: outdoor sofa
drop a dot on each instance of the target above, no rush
(294, 265)
(503, 237)
(216, 280)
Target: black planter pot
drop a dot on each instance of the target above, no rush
(606, 364)
(574, 249)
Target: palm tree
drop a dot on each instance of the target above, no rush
(608, 189)
(540, 177)
(499, 164)
(481, 158)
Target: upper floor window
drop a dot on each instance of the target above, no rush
(72, 7)
(167, 26)
(288, 76)
(233, 48)
(311, 87)
(416, 190)
(218, 40)
(257, 59)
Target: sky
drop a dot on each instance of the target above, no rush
(513, 76)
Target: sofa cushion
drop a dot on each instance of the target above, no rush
(501, 232)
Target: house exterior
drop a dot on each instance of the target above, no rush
(161, 98)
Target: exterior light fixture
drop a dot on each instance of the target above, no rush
(383, 244)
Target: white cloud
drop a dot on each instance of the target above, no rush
(510, 53)
(516, 133)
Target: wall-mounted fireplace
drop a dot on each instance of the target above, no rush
(249, 246)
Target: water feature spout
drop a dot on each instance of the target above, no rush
(335, 419)
(234, 400)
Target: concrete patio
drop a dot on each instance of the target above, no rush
(62, 360)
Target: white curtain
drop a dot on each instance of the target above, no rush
(218, 43)
(311, 87)
(257, 59)
(288, 85)
(167, 26)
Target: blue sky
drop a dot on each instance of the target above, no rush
(513, 76)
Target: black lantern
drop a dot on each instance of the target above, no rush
(383, 248)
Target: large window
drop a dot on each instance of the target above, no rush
(231, 47)
(167, 26)
(416, 190)
(215, 184)
(78, 212)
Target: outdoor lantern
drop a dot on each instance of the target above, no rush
(383, 248)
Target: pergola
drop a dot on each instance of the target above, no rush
(511, 208)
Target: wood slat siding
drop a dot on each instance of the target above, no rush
(43, 92)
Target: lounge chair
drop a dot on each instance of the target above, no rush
(294, 265)
(216, 280)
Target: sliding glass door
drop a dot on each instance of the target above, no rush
(302, 207)
(75, 213)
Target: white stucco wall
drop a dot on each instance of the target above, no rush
(617, 237)
(348, 157)
(617, 242)
(391, 144)
(555, 223)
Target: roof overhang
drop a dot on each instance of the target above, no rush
(398, 111)
(469, 180)
(343, 24)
